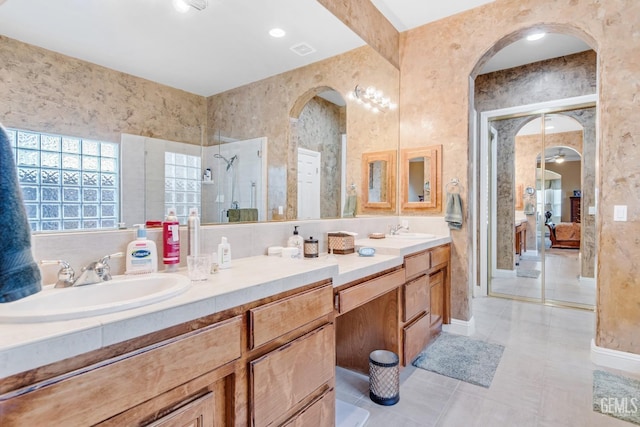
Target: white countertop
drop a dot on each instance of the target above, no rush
(402, 246)
(30, 345)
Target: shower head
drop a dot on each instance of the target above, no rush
(229, 162)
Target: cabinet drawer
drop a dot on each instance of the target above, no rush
(320, 413)
(275, 319)
(125, 381)
(198, 413)
(416, 297)
(357, 295)
(416, 337)
(417, 264)
(284, 377)
(440, 255)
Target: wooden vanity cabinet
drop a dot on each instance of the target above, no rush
(147, 376)
(268, 362)
(291, 365)
(425, 299)
(397, 310)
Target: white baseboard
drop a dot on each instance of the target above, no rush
(615, 359)
(461, 327)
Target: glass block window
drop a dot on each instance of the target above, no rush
(67, 183)
(182, 180)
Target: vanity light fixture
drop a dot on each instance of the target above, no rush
(277, 33)
(535, 36)
(372, 99)
(183, 6)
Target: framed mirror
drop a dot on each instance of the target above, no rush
(379, 180)
(421, 178)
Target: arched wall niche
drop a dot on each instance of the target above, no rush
(514, 36)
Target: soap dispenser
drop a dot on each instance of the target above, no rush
(296, 241)
(142, 254)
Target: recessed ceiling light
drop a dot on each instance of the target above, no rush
(535, 36)
(277, 32)
(181, 6)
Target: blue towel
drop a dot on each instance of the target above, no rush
(453, 212)
(19, 274)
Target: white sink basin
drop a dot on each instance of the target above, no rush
(412, 236)
(121, 293)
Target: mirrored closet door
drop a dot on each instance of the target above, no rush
(542, 206)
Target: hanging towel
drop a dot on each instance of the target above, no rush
(243, 215)
(19, 274)
(350, 206)
(453, 214)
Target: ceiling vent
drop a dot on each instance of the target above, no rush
(302, 49)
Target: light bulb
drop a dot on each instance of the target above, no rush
(181, 6)
(535, 36)
(277, 32)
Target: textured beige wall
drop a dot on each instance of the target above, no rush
(437, 61)
(367, 22)
(45, 91)
(266, 108)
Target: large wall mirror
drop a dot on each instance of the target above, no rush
(421, 179)
(233, 154)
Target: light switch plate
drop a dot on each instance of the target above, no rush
(620, 213)
(592, 210)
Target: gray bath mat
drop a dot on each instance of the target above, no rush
(616, 396)
(462, 358)
(523, 272)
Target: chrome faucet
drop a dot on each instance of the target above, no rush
(95, 272)
(395, 229)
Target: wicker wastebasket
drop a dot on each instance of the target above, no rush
(384, 377)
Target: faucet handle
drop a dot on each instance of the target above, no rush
(103, 264)
(66, 275)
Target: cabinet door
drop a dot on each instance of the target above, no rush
(285, 377)
(416, 298)
(416, 337)
(198, 413)
(436, 285)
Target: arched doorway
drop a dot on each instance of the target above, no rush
(519, 105)
(316, 155)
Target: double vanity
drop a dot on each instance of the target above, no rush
(255, 345)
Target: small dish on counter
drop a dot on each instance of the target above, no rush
(366, 251)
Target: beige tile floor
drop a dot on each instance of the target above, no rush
(544, 377)
(562, 270)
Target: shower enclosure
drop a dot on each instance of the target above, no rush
(237, 191)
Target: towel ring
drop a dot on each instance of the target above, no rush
(454, 184)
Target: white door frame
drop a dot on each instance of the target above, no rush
(485, 117)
